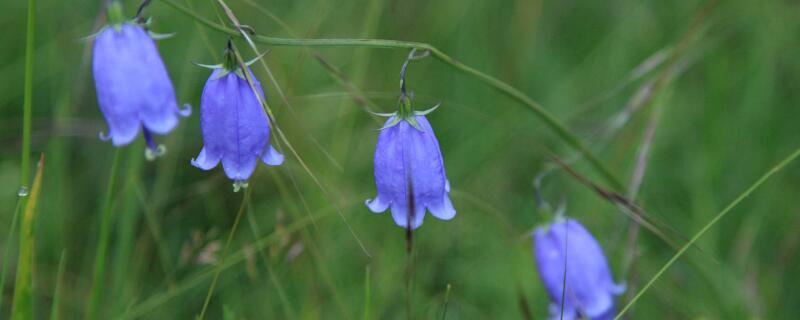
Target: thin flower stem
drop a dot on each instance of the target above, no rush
(708, 226)
(559, 128)
(102, 244)
(27, 106)
(221, 264)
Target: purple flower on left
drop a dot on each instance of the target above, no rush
(133, 88)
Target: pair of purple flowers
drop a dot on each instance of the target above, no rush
(135, 93)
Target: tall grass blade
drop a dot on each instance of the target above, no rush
(102, 244)
(27, 106)
(7, 251)
(708, 225)
(367, 294)
(245, 201)
(55, 311)
(22, 307)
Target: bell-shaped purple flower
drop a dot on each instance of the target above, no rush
(409, 172)
(590, 288)
(235, 126)
(133, 88)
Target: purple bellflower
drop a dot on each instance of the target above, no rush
(409, 171)
(235, 127)
(133, 88)
(590, 288)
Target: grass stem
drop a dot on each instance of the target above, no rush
(102, 244)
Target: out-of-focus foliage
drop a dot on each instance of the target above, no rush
(725, 118)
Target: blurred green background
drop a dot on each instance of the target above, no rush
(725, 116)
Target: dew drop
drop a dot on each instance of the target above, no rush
(23, 191)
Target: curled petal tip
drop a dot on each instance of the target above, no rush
(186, 111)
(618, 289)
(204, 161)
(445, 210)
(272, 157)
(376, 205)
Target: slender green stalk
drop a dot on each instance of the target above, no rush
(446, 301)
(102, 244)
(27, 105)
(288, 310)
(551, 121)
(710, 224)
(27, 115)
(22, 306)
(55, 310)
(221, 265)
(154, 301)
(7, 251)
(367, 294)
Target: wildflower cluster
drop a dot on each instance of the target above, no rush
(135, 93)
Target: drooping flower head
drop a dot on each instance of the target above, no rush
(409, 171)
(133, 88)
(590, 288)
(235, 126)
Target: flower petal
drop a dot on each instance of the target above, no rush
(402, 219)
(205, 161)
(443, 210)
(377, 205)
(272, 157)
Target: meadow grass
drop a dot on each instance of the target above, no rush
(689, 103)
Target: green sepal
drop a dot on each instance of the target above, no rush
(209, 66)
(160, 36)
(381, 114)
(93, 35)
(254, 60)
(224, 72)
(394, 122)
(425, 112)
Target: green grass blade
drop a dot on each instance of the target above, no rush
(22, 307)
(367, 294)
(707, 226)
(160, 299)
(7, 251)
(245, 201)
(55, 312)
(27, 107)
(102, 245)
(288, 310)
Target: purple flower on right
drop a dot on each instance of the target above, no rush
(590, 287)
